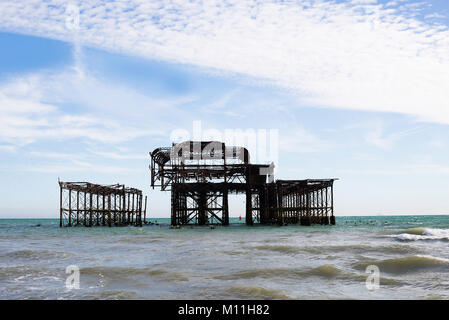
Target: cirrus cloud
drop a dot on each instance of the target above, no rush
(362, 55)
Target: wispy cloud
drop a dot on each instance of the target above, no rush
(119, 156)
(357, 54)
(33, 108)
(223, 105)
(8, 148)
(80, 167)
(378, 136)
(410, 169)
(88, 161)
(56, 155)
(299, 140)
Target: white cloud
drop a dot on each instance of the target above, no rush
(224, 105)
(33, 107)
(81, 167)
(300, 140)
(119, 156)
(435, 16)
(378, 137)
(8, 148)
(56, 155)
(358, 55)
(20, 129)
(407, 170)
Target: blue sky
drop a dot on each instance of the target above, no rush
(358, 90)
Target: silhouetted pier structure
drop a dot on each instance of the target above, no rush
(88, 204)
(202, 174)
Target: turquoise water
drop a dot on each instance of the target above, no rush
(234, 262)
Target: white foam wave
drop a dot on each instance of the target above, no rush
(423, 234)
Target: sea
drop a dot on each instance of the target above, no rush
(378, 257)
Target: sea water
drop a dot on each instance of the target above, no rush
(233, 262)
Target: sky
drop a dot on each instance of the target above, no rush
(356, 90)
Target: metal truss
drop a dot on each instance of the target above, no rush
(88, 204)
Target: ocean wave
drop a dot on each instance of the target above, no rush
(234, 252)
(406, 264)
(276, 248)
(118, 295)
(359, 248)
(129, 272)
(26, 273)
(414, 234)
(106, 295)
(256, 292)
(35, 254)
(326, 271)
(145, 240)
(142, 238)
(351, 247)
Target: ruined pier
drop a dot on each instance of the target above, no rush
(88, 204)
(202, 174)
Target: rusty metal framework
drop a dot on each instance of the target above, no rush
(88, 204)
(202, 174)
(306, 202)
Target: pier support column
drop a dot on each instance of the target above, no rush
(60, 206)
(263, 210)
(173, 207)
(90, 209)
(70, 208)
(225, 215)
(332, 204)
(249, 209)
(202, 208)
(145, 211)
(109, 211)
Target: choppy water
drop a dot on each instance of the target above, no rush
(293, 262)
